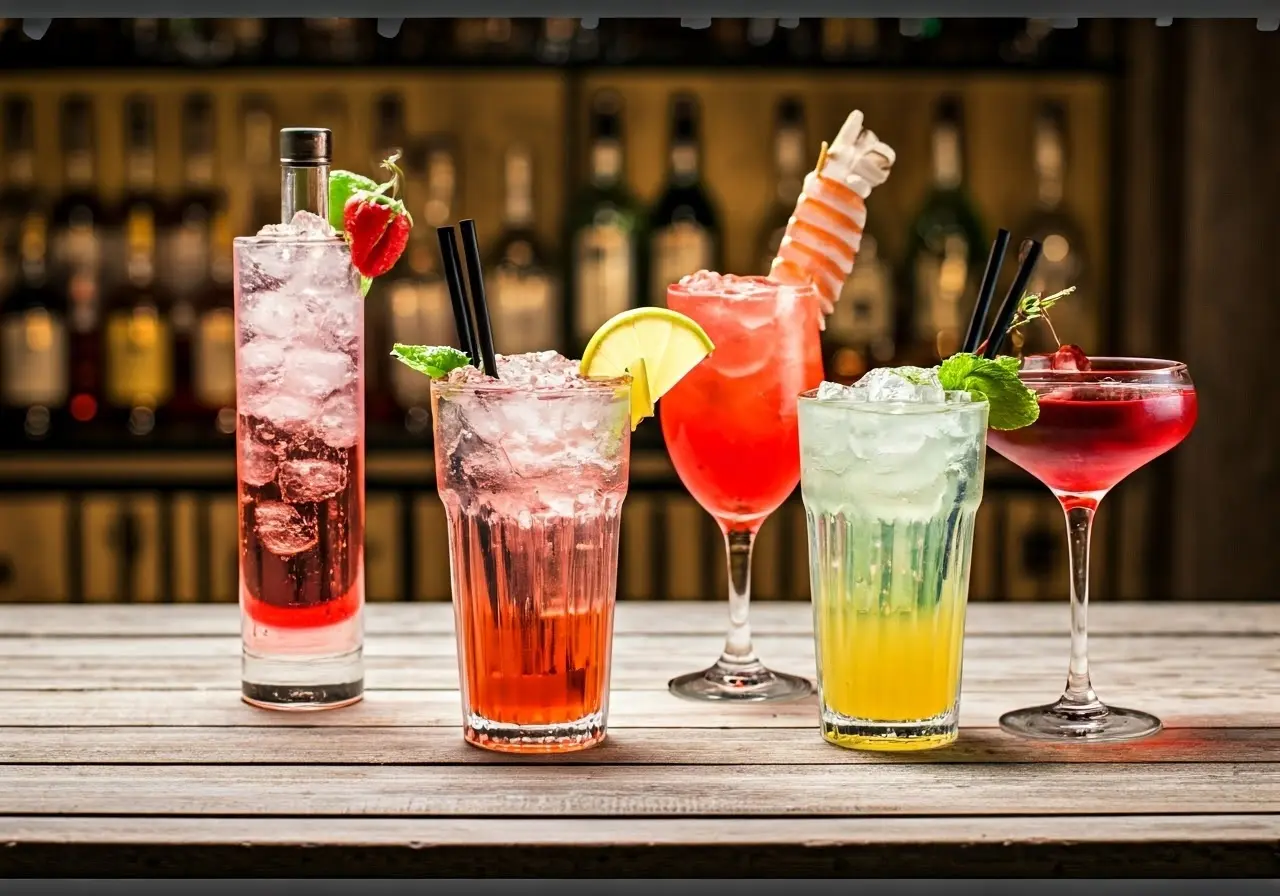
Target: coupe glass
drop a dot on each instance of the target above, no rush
(1095, 428)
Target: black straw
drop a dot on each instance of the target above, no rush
(452, 264)
(484, 331)
(1031, 255)
(994, 262)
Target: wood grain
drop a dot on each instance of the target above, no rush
(125, 750)
(638, 791)
(647, 746)
(1080, 846)
(1216, 707)
(648, 617)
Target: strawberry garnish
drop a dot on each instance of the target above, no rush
(377, 225)
(1069, 357)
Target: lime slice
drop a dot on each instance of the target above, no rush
(656, 346)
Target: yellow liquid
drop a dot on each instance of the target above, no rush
(896, 666)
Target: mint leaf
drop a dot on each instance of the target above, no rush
(365, 283)
(434, 360)
(1011, 405)
(342, 186)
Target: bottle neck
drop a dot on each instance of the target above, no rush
(790, 162)
(22, 170)
(606, 163)
(1049, 168)
(947, 163)
(518, 206)
(684, 161)
(304, 189)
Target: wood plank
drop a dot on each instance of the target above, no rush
(627, 709)
(1080, 846)
(644, 617)
(669, 746)
(637, 791)
(1202, 669)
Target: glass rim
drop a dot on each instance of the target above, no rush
(894, 408)
(1117, 366)
(719, 295)
(273, 240)
(595, 387)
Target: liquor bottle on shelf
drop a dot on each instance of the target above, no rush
(1063, 262)
(606, 230)
(861, 331)
(388, 140)
(19, 191)
(685, 228)
(791, 161)
(33, 330)
(200, 41)
(946, 250)
(258, 126)
(139, 349)
(186, 255)
(78, 233)
(417, 296)
(330, 41)
(525, 294)
(555, 41)
(213, 350)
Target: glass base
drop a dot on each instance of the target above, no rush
(302, 669)
(504, 738)
(749, 683)
(1093, 724)
(889, 737)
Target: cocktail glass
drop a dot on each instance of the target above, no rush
(532, 470)
(890, 490)
(299, 318)
(730, 428)
(1095, 428)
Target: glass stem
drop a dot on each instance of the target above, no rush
(737, 646)
(1079, 695)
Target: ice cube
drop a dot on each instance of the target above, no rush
(304, 225)
(310, 480)
(260, 359)
(288, 413)
(903, 384)
(282, 529)
(271, 315)
(835, 392)
(257, 462)
(338, 423)
(315, 373)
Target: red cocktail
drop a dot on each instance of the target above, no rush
(1097, 425)
(730, 428)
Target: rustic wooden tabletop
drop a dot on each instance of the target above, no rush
(124, 749)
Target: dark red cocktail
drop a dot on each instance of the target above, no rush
(1100, 419)
(1089, 437)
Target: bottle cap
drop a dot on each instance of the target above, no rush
(306, 146)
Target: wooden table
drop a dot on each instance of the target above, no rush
(124, 749)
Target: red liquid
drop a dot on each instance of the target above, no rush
(534, 607)
(301, 528)
(730, 424)
(1089, 437)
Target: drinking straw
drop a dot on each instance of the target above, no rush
(457, 295)
(1004, 316)
(994, 262)
(484, 332)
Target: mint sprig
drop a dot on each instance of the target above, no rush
(434, 360)
(1011, 405)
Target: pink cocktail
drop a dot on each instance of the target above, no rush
(1096, 426)
(300, 446)
(731, 430)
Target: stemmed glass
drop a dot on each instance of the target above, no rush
(1096, 426)
(731, 431)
